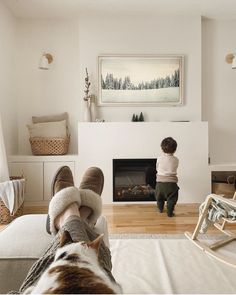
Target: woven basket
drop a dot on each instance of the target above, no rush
(49, 146)
(5, 216)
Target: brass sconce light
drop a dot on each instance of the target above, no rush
(231, 59)
(45, 61)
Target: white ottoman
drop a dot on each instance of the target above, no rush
(22, 243)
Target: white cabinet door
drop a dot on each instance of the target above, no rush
(33, 173)
(50, 169)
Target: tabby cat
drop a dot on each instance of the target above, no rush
(75, 270)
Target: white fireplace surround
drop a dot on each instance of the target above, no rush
(99, 143)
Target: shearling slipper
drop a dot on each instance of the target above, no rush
(92, 200)
(60, 201)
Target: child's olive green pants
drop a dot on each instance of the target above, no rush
(167, 191)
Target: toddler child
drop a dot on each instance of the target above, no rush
(166, 186)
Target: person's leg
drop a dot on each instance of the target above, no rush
(93, 180)
(79, 220)
(160, 197)
(69, 218)
(71, 210)
(172, 198)
(86, 197)
(76, 204)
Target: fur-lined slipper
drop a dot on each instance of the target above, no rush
(83, 197)
(92, 200)
(60, 201)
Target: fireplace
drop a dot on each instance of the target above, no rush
(99, 144)
(134, 180)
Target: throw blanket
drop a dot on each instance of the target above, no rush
(12, 194)
(216, 211)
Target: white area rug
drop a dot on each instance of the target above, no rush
(169, 264)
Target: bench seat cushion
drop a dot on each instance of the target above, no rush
(21, 244)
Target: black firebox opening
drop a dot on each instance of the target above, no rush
(134, 180)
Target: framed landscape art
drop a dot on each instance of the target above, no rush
(140, 80)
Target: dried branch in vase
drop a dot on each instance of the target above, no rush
(87, 85)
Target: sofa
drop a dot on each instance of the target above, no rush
(22, 242)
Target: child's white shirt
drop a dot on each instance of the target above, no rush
(166, 167)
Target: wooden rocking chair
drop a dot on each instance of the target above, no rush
(220, 225)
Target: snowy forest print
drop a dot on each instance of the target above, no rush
(140, 80)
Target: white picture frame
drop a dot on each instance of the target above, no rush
(155, 80)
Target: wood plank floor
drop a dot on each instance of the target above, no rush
(143, 218)
(146, 219)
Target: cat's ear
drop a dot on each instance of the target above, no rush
(65, 238)
(95, 244)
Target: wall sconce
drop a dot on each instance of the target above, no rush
(45, 60)
(231, 59)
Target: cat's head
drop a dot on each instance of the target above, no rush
(77, 270)
(77, 251)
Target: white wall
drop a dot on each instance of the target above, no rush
(219, 88)
(136, 35)
(76, 45)
(41, 92)
(8, 109)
